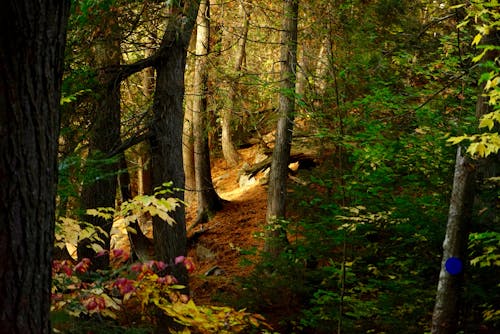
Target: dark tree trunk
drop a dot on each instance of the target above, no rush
(166, 135)
(276, 198)
(103, 138)
(166, 147)
(31, 61)
(208, 200)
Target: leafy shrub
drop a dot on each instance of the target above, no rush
(135, 292)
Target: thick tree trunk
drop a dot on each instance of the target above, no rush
(276, 198)
(31, 62)
(103, 138)
(228, 150)
(166, 135)
(208, 200)
(166, 149)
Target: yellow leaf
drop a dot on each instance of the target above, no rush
(477, 39)
(131, 230)
(479, 57)
(477, 149)
(456, 140)
(486, 122)
(96, 247)
(108, 313)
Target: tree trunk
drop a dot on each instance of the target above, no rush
(103, 138)
(276, 198)
(188, 156)
(208, 200)
(445, 316)
(31, 64)
(228, 150)
(140, 244)
(144, 185)
(166, 148)
(166, 135)
(469, 177)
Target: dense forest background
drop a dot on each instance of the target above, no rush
(391, 171)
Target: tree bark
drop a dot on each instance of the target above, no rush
(166, 135)
(188, 155)
(140, 244)
(208, 199)
(103, 138)
(276, 198)
(31, 64)
(469, 176)
(445, 316)
(228, 150)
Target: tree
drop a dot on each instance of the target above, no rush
(445, 316)
(31, 63)
(276, 198)
(470, 174)
(208, 199)
(188, 156)
(228, 150)
(104, 136)
(165, 137)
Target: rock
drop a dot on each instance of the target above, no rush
(215, 271)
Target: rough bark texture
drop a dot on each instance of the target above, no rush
(104, 136)
(166, 149)
(208, 200)
(228, 150)
(166, 135)
(31, 58)
(276, 198)
(445, 316)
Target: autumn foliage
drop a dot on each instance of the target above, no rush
(143, 289)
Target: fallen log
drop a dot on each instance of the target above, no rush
(306, 160)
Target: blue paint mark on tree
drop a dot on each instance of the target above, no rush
(454, 266)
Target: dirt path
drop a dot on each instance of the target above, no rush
(229, 232)
(226, 236)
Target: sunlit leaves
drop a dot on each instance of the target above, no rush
(70, 231)
(484, 249)
(146, 285)
(105, 213)
(357, 216)
(481, 145)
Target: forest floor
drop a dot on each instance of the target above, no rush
(231, 233)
